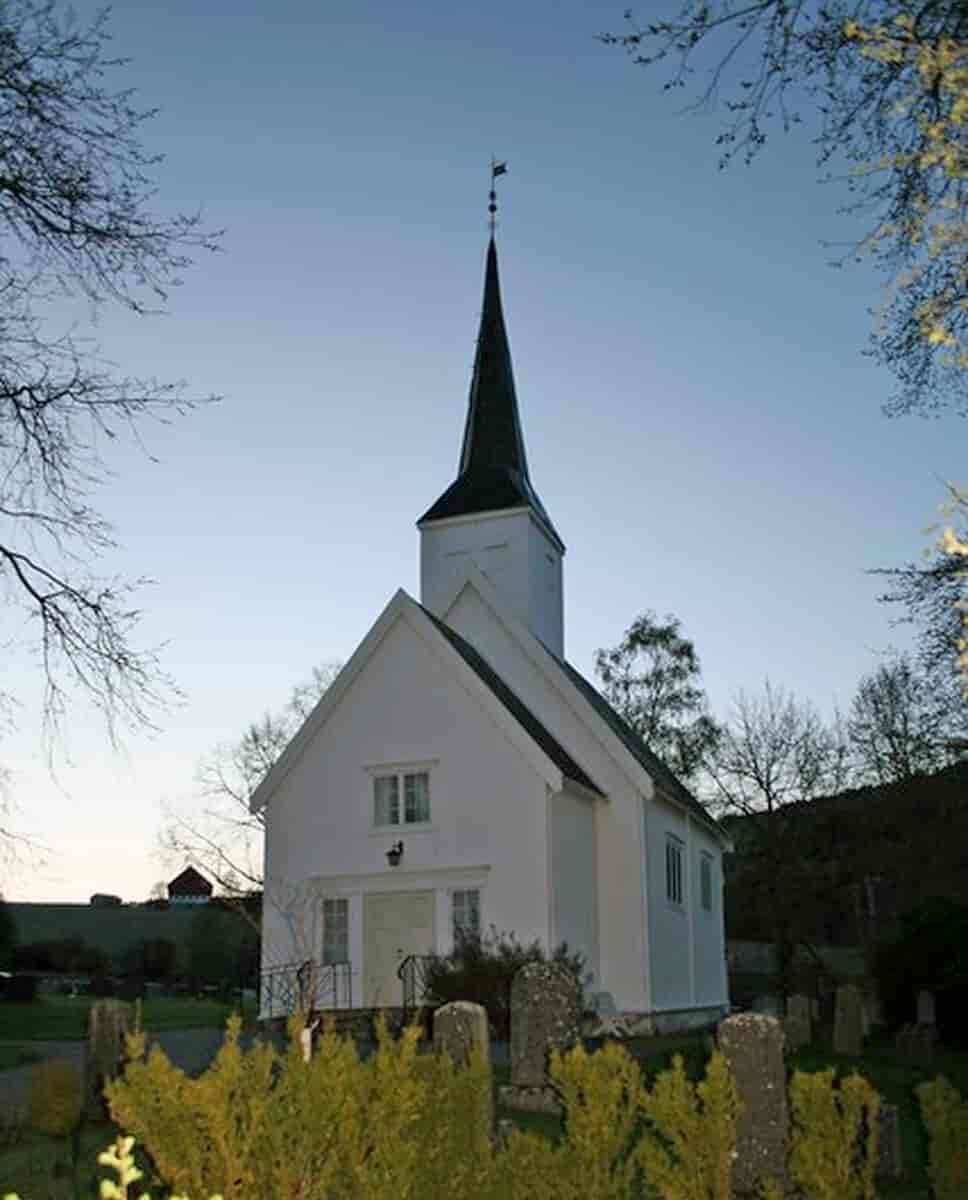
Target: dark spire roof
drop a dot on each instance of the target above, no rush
(493, 472)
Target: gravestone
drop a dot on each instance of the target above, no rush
(915, 1044)
(545, 1016)
(109, 1023)
(752, 1045)
(889, 1162)
(926, 1014)
(796, 1025)
(767, 1003)
(848, 1020)
(461, 1028)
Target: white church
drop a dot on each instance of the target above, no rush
(460, 774)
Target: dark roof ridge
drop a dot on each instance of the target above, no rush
(530, 723)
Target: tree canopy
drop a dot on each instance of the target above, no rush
(884, 87)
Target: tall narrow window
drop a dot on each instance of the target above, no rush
(416, 797)
(386, 800)
(336, 931)
(466, 908)
(673, 870)
(706, 881)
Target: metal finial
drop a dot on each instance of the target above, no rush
(497, 168)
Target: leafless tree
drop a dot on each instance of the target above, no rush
(900, 725)
(222, 837)
(78, 231)
(775, 756)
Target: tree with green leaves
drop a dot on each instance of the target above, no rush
(652, 678)
(78, 232)
(884, 86)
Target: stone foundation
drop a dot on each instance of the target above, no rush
(529, 1099)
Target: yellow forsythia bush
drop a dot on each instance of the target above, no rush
(945, 1115)
(833, 1151)
(54, 1103)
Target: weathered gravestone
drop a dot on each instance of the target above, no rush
(752, 1045)
(926, 1014)
(461, 1031)
(915, 1044)
(848, 1020)
(461, 1028)
(796, 1025)
(889, 1162)
(109, 1023)
(545, 1016)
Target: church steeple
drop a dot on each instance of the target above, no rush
(491, 515)
(493, 470)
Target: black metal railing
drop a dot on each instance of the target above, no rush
(412, 974)
(305, 987)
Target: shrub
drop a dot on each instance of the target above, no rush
(945, 1115)
(481, 970)
(55, 1100)
(833, 1154)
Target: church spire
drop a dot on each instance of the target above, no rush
(493, 470)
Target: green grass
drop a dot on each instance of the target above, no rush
(64, 1018)
(13, 1054)
(39, 1167)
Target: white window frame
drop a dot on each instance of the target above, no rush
(706, 900)
(333, 905)
(401, 773)
(674, 874)
(460, 896)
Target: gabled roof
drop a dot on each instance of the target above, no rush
(546, 748)
(517, 708)
(190, 883)
(493, 471)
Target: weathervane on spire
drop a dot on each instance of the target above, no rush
(497, 168)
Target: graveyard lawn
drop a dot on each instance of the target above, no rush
(894, 1081)
(64, 1018)
(35, 1165)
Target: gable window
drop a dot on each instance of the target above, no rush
(414, 786)
(336, 931)
(706, 881)
(673, 870)
(466, 911)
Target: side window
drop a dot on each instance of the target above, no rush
(336, 931)
(416, 797)
(673, 870)
(386, 800)
(706, 881)
(466, 910)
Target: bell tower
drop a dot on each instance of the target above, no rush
(491, 514)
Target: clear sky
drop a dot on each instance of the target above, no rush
(700, 421)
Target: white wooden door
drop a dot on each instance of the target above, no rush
(394, 925)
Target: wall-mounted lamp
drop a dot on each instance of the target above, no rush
(394, 854)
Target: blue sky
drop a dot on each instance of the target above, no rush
(699, 418)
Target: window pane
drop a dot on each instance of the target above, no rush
(467, 914)
(416, 790)
(335, 931)
(673, 871)
(386, 800)
(706, 882)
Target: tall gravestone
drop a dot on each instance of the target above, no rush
(926, 1015)
(545, 1016)
(461, 1031)
(796, 1025)
(109, 1023)
(752, 1045)
(848, 1020)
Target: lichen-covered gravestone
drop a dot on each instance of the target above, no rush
(461, 1028)
(848, 1020)
(796, 1024)
(752, 1045)
(109, 1023)
(545, 1016)
(890, 1165)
